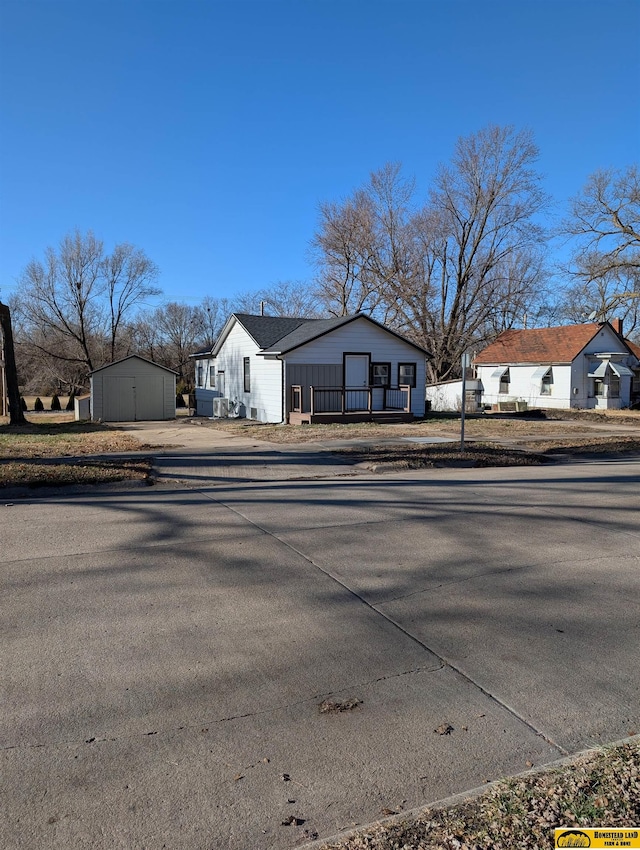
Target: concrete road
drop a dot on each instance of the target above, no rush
(166, 650)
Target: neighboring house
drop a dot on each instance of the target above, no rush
(133, 389)
(447, 395)
(300, 370)
(580, 366)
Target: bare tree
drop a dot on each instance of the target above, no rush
(129, 278)
(292, 298)
(604, 223)
(453, 273)
(73, 306)
(211, 316)
(168, 335)
(342, 252)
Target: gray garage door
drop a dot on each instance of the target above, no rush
(127, 399)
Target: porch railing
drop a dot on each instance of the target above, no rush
(350, 399)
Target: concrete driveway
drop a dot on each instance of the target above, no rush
(166, 650)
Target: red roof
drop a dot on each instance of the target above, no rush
(539, 345)
(634, 347)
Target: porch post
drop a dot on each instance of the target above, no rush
(312, 401)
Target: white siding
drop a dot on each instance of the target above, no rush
(362, 337)
(133, 389)
(447, 396)
(524, 387)
(265, 395)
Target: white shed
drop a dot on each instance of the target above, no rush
(131, 390)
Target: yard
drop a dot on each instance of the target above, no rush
(55, 453)
(36, 454)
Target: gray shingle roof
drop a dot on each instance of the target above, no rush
(266, 330)
(278, 335)
(308, 330)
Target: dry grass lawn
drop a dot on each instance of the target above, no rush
(26, 454)
(488, 427)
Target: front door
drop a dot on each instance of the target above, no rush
(356, 381)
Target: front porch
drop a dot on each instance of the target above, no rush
(351, 404)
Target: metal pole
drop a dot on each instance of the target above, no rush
(464, 361)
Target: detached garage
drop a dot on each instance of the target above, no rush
(131, 390)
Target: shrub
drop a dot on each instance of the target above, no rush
(55, 402)
(38, 405)
(23, 403)
(71, 402)
(180, 400)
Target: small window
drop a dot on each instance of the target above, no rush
(505, 380)
(598, 387)
(212, 377)
(406, 374)
(547, 382)
(200, 375)
(381, 374)
(247, 374)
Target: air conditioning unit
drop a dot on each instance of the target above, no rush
(221, 407)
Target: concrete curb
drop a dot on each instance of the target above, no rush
(464, 796)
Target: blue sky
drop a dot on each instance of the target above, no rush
(207, 133)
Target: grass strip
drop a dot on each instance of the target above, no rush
(74, 471)
(597, 789)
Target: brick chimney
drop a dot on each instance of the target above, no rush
(616, 324)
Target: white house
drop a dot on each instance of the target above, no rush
(580, 366)
(133, 389)
(301, 370)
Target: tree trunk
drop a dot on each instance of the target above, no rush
(16, 416)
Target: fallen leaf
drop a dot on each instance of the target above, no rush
(292, 820)
(334, 706)
(444, 729)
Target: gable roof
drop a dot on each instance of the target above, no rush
(560, 344)
(133, 357)
(279, 335)
(314, 328)
(311, 329)
(266, 330)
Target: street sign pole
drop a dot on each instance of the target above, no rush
(465, 363)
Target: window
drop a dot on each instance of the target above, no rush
(547, 382)
(407, 374)
(247, 374)
(212, 377)
(614, 386)
(505, 380)
(381, 374)
(200, 375)
(598, 387)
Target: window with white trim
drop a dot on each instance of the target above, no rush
(546, 383)
(505, 380)
(247, 374)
